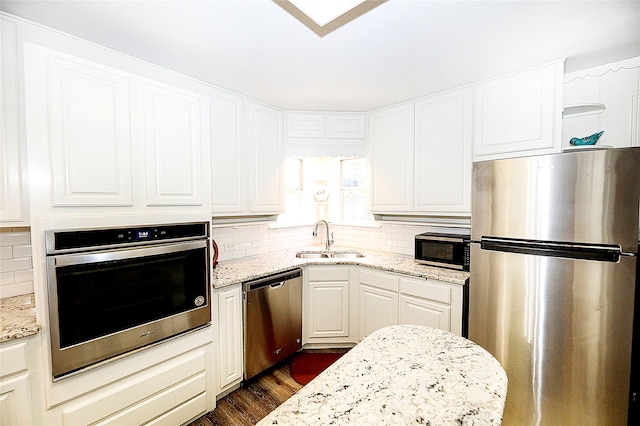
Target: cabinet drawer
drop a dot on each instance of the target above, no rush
(380, 280)
(329, 273)
(165, 401)
(185, 412)
(177, 381)
(426, 289)
(13, 359)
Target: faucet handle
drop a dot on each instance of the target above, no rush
(331, 241)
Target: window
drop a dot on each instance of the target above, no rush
(354, 190)
(331, 188)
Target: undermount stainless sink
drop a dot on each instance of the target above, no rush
(311, 255)
(348, 254)
(329, 254)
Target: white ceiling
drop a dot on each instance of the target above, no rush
(399, 50)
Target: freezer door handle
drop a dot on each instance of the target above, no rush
(586, 251)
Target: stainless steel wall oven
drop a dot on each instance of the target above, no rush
(113, 291)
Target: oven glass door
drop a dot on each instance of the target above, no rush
(94, 297)
(103, 293)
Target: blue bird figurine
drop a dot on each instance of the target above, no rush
(587, 140)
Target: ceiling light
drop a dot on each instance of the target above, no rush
(324, 11)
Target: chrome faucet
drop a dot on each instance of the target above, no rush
(327, 245)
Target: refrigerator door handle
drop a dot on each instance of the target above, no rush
(597, 252)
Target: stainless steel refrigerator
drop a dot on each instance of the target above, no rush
(553, 275)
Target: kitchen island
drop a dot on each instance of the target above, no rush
(402, 374)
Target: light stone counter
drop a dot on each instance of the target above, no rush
(248, 268)
(17, 317)
(402, 374)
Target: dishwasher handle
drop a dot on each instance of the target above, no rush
(277, 285)
(273, 281)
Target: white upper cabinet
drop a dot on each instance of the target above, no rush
(443, 128)
(229, 181)
(12, 165)
(392, 158)
(305, 125)
(321, 133)
(518, 114)
(346, 126)
(90, 133)
(110, 138)
(173, 145)
(325, 125)
(247, 155)
(421, 156)
(266, 157)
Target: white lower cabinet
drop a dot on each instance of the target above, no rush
(326, 305)
(343, 304)
(389, 299)
(431, 303)
(230, 345)
(378, 294)
(15, 398)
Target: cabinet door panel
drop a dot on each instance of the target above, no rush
(329, 309)
(392, 140)
(228, 152)
(346, 126)
(519, 114)
(230, 340)
(422, 312)
(443, 153)
(15, 406)
(172, 146)
(11, 161)
(378, 309)
(265, 159)
(305, 125)
(89, 109)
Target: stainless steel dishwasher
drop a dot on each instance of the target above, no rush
(272, 320)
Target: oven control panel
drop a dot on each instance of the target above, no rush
(87, 239)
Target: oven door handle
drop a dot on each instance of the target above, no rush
(130, 253)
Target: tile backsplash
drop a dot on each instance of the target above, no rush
(16, 266)
(234, 241)
(247, 240)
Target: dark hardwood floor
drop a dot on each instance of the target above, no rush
(257, 398)
(250, 403)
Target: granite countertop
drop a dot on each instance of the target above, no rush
(17, 317)
(230, 272)
(402, 374)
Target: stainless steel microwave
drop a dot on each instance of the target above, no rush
(443, 250)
